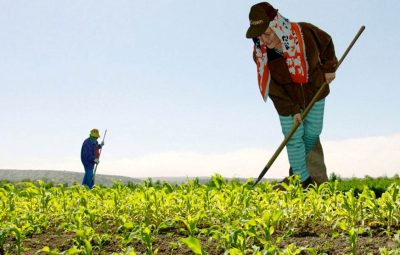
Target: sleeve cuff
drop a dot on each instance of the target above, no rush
(329, 66)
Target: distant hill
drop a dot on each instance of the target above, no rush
(69, 177)
(58, 177)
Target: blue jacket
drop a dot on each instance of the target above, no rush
(90, 148)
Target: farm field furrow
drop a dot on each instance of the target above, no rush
(219, 217)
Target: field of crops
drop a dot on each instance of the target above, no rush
(218, 217)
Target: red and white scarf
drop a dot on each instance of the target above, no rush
(293, 51)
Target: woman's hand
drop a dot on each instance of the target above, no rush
(297, 118)
(329, 77)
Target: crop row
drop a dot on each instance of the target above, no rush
(219, 217)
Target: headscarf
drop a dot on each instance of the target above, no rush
(294, 53)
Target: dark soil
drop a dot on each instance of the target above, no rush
(341, 245)
(168, 243)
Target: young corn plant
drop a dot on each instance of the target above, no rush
(353, 209)
(83, 240)
(101, 240)
(145, 235)
(238, 240)
(389, 206)
(353, 237)
(268, 222)
(11, 198)
(191, 225)
(194, 245)
(3, 235)
(18, 239)
(91, 214)
(45, 197)
(127, 251)
(70, 251)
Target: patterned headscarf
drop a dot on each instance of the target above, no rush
(293, 51)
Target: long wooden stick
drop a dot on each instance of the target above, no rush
(305, 112)
(95, 168)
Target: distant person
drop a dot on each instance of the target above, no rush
(293, 61)
(90, 153)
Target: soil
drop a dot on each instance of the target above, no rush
(168, 243)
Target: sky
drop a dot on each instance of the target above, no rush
(174, 84)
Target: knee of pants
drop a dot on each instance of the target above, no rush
(312, 133)
(299, 132)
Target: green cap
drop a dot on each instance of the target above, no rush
(260, 15)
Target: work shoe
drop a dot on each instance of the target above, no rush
(279, 186)
(308, 183)
(285, 180)
(284, 183)
(290, 171)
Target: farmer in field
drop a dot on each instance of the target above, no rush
(90, 153)
(293, 61)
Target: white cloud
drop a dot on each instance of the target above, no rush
(242, 163)
(373, 156)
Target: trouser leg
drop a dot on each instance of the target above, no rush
(304, 139)
(88, 177)
(316, 163)
(295, 147)
(313, 125)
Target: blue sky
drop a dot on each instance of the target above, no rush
(175, 85)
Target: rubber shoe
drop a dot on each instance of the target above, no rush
(308, 183)
(285, 180)
(279, 186)
(291, 171)
(282, 185)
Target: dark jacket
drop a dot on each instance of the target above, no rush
(89, 152)
(288, 97)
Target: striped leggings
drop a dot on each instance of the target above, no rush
(304, 139)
